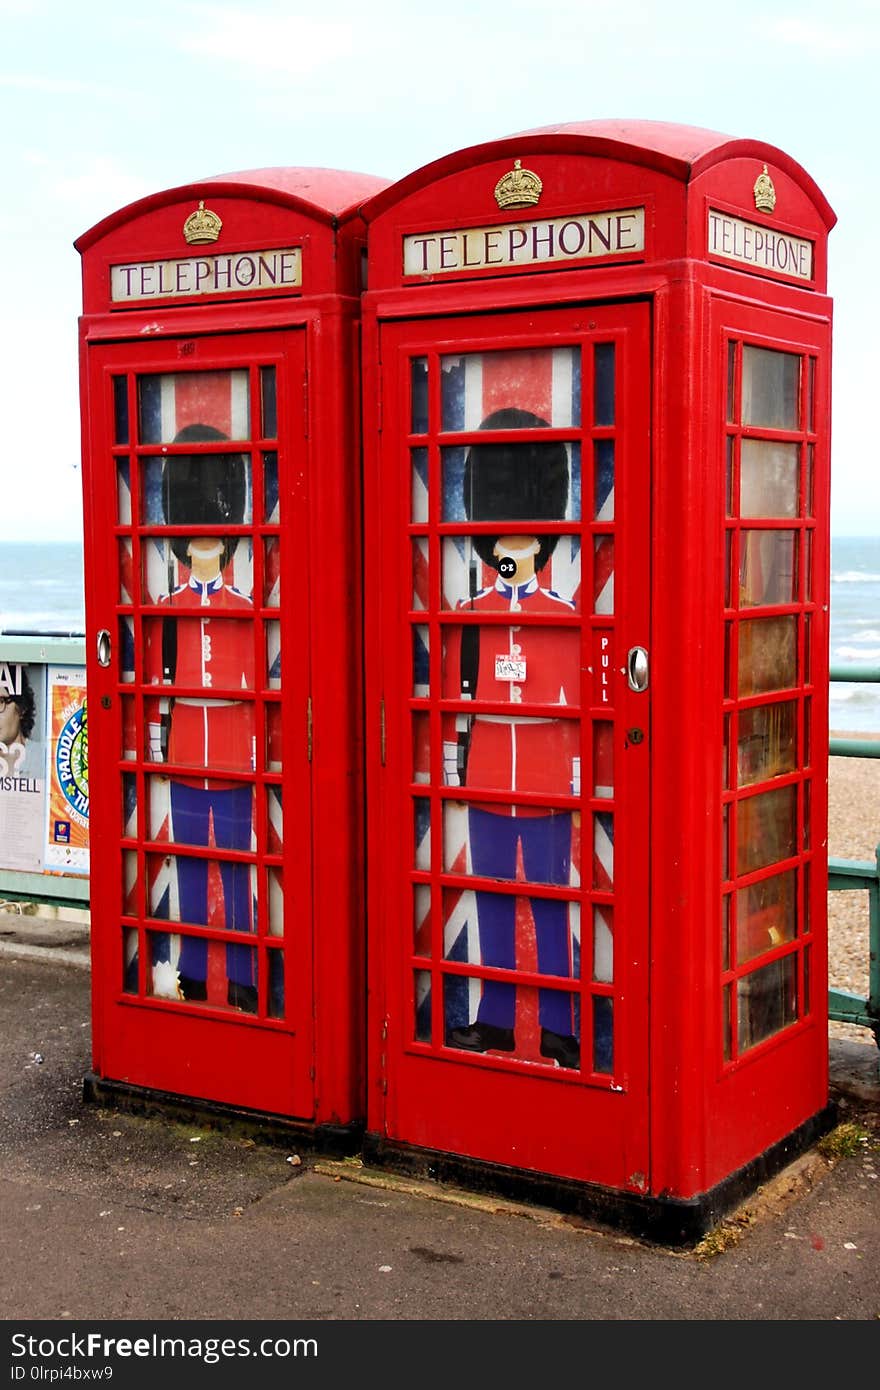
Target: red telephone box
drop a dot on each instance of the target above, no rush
(222, 497)
(597, 407)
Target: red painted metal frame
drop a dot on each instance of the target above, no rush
(307, 1068)
(708, 1116)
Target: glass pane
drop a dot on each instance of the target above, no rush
(204, 491)
(269, 403)
(422, 1005)
(120, 410)
(123, 492)
(422, 832)
(767, 572)
(125, 652)
(766, 745)
(273, 655)
(218, 569)
(513, 664)
(727, 1030)
(130, 749)
(603, 851)
(766, 829)
(274, 820)
(275, 881)
(731, 383)
(603, 403)
(766, 1001)
(770, 382)
(513, 754)
(193, 970)
(603, 758)
(419, 509)
(527, 480)
(131, 879)
(603, 1034)
(544, 382)
(603, 463)
(129, 805)
(206, 892)
(603, 575)
(767, 654)
(603, 944)
(421, 661)
(419, 395)
(421, 920)
(129, 960)
(725, 932)
(768, 478)
(527, 1032)
(275, 1003)
(126, 571)
(420, 582)
(273, 738)
(421, 764)
(271, 499)
(272, 572)
(765, 916)
(730, 460)
(500, 574)
(496, 843)
(178, 407)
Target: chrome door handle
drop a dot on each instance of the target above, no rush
(637, 669)
(104, 649)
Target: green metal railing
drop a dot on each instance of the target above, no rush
(844, 875)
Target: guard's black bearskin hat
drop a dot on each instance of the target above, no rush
(511, 483)
(203, 491)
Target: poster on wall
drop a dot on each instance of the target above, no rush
(67, 821)
(22, 764)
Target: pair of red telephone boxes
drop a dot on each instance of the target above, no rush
(457, 598)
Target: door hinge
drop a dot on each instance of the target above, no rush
(382, 731)
(309, 727)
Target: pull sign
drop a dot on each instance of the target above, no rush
(637, 669)
(103, 645)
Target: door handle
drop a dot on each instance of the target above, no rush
(637, 669)
(104, 647)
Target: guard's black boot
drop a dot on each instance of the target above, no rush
(481, 1037)
(242, 997)
(562, 1047)
(193, 989)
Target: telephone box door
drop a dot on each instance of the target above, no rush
(511, 664)
(200, 677)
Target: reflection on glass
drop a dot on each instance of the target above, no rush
(419, 485)
(422, 1003)
(120, 410)
(603, 402)
(544, 380)
(770, 383)
(765, 915)
(767, 654)
(173, 401)
(766, 1001)
(768, 478)
(767, 571)
(603, 944)
(766, 745)
(269, 403)
(766, 829)
(419, 396)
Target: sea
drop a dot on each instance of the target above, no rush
(41, 590)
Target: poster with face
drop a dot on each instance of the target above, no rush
(23, 749)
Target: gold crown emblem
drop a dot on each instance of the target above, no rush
(765, 193)
(519, 188)
(201, 226)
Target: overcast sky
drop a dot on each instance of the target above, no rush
(102, 103)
